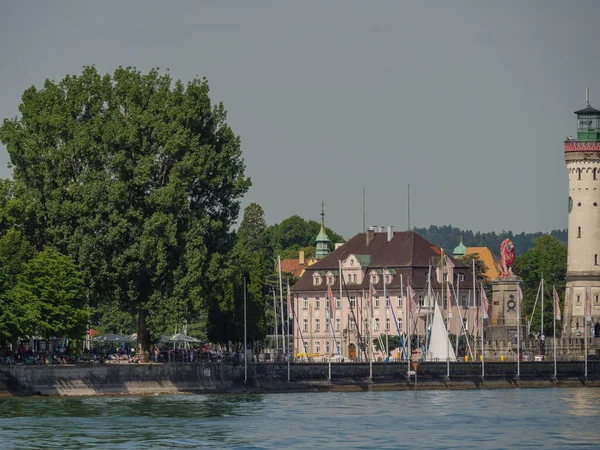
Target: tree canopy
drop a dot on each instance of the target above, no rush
(135, 176)
(548, 259)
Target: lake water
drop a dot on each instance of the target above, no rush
(486, 419)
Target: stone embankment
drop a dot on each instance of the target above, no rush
(145, 379)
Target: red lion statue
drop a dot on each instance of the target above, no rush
(507, 258)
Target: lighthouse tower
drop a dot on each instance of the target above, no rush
(582, 156)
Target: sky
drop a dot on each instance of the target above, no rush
(469, 102)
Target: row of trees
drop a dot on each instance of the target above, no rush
(448, 237)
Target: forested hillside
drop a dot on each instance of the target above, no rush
(448, 237)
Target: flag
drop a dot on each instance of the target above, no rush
(556, 305)
(588, 307)
(519, 298)
(411, 298)
(331, 300)
(289, 301)
(372, 292)
(485, 304)
(449, 297)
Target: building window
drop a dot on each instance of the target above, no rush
(373, 279)
(388, 279)
(421, 300)
(338, 324)
(327, 304)
(306, 347)
(316, 281)
(352, 302)
(596, 298)
(400, 325)
(376, 324)
(461, 277)
(305, 303)
(317, 303)
(317, 324)
(349, 278)
(327, 323)
(464, 301)
(387, 324)
(594, 172)
(377, 301)
(317, 347)
(305, 324)
(330, 281)
(338, 303)
(327, 347)
(578, 299)
(579, 174)
(388, 302)
(466, 324)
(351, 323)
(399, 301)
(578, 232)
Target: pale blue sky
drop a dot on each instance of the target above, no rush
(468, 101)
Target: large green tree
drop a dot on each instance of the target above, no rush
(51, 295)
(548, 259)
(138, 178)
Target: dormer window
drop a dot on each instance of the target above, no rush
(317, 279)
(388, 279)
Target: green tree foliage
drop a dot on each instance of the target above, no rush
(51, 293)
(139, 179)
(252, 230)
(547, 258)
(448, 237)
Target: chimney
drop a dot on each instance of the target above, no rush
(338, 245)
(370, 234)
(390, 233)
(382, 229)
(301, 257)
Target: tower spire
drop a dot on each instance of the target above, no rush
(322, 240)
(587, 95)
(323, 214)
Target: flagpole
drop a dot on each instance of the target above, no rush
(554, 325)
(289, 306)
(329, 339)
(447, 320)
(518, 331)
(409, 355)
(370, 338)
(474, 304)
(245, 339)
(481, 294)
(585, 326)
(281, 304)
(387, 345)
(341, 298)
(276, 324)
(456, 329)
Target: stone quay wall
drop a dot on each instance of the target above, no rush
(144, 379)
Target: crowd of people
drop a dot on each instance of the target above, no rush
(27, 355)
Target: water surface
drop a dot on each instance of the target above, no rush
(486, 419)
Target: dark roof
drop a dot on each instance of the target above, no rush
(407, 252)
(588, 110)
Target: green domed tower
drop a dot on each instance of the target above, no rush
(322, 240)
(459, 250)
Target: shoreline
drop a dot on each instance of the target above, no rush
(201, 378)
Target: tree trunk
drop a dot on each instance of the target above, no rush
(143, 344)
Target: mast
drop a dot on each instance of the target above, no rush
(456, 328)
(542, 326)
(281, 304)
(554, 326)
(474, 304)
(276, 321)
(341, 293)
(409, 207)
(447, 319)
(289, 309)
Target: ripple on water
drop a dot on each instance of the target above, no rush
(494, 419)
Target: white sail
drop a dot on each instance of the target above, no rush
(440, 347)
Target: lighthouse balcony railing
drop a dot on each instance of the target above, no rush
(574, 145)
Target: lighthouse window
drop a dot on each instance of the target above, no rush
(596, 260)
(579, 174)
(595, 203)
(578, 299)
(579, 204)
(578, 232)
(594, 172)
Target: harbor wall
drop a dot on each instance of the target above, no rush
(141, 379)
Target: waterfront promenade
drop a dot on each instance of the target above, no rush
(151, 378)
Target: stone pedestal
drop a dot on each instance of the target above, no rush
(503, 316)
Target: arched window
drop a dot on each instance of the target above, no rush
(578, 232)
(594, 172)
(579, 174)
(305, 325)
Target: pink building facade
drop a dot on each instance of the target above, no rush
(384, 264)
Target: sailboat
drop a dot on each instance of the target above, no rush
(440, 347)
